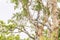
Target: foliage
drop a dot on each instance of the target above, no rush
(59, 34)
(46, 10)
(38, 6)
(24, 12)
(58, 0)
(15, 2)
(11, 37)
(24, 2)
(2, 37)
(23, 20)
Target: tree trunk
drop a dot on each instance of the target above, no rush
(54, 26)
(39, 29)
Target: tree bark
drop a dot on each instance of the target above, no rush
(54, 26)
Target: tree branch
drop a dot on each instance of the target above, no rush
(28, 33)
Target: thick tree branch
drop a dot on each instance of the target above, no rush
(24, 30)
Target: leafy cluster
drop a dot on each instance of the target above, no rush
(24, 2)
(16, 3)
(38, 6)
(11, 37)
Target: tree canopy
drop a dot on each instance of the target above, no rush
(37, 20)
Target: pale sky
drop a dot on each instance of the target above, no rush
(6, 10)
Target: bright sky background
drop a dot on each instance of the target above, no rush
(6, 10)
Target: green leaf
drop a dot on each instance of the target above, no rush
(46, 10)
(10, 37)
(11, 26)
(24, 13)
(17, 16)
(12, 21)
(15, 7)
(59, 33)
(17, 37)
(24, 2)
(38, 6)
(2, 37)
(45, 31)
(2, 22)
(15, 2)
(26, 39)
(58, 0)
(59, 15)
